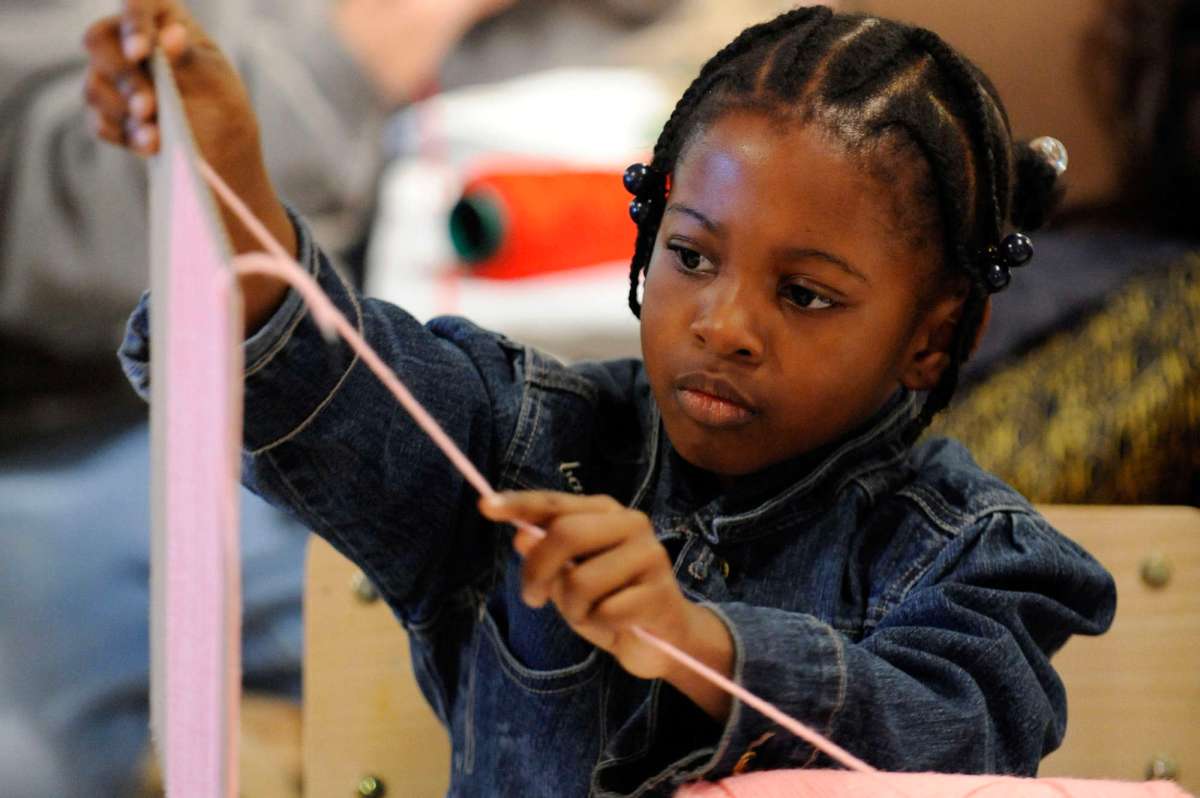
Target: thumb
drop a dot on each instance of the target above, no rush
(176, 43)
(145, 22)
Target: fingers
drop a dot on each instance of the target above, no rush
(101, 42)
(593, 547)
(526, 538)
(104, 129)
(142, 21)
(581, 589)
(176, 44)
(624, 608)
(124, 115)
(118, 87)
(118, 92)
(571, 538)
(612, 620)
(539, 507)
(104, 98)
(602, 566)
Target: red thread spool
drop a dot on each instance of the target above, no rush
(518, 224)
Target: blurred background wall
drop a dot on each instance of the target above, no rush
(1036, 53)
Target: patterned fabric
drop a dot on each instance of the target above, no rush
(1107, 411)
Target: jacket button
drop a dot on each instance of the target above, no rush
(1156, 570)
(1162, 767)
(363, 589)
(371, 787)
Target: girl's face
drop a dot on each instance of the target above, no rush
(781, 303)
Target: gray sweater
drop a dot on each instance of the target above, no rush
(73, 245)
(72, 236)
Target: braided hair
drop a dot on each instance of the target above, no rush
(865, 80)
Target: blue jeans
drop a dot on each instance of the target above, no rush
(74, 609)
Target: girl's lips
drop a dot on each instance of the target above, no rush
(709, 411)
(712, 402)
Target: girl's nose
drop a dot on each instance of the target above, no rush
(725, 324)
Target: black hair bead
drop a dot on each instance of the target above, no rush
(1017, 249)
(635, 177)
(639, 209)
(996, 276)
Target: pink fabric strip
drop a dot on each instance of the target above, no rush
(198, 362)
(843, 784)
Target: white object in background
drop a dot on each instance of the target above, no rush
(577, 118)
(588, 117)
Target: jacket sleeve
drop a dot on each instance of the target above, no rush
(956, 678)
(325, 440)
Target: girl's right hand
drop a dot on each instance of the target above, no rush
(123, 110)
(120, 93)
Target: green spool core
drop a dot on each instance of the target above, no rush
(476, 227)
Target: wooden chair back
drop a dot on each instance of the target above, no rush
(1134, 693)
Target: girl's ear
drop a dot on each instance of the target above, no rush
(929, 351)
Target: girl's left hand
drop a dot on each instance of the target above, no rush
(602, 566)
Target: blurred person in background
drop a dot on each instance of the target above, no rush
(1142, 58)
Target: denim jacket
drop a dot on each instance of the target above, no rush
(903, 602)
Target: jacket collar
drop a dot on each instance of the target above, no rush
(684, 496)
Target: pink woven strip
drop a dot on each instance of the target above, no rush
(843, 784)
(198, 362)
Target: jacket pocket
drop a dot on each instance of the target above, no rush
(516, 709)
(533, 680)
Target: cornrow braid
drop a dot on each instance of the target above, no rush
(865, 79)
(995, 177)
(667, 145)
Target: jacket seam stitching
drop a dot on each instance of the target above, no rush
(918, 498)
(304, 424)
(279, 344)
(840, 654)
(308, 420)
(520, 673)
(651, 466)
(521, 437)
(847, 449)
(313, 254)
(326, 527)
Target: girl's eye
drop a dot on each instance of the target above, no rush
(689, 259)
(807, 298)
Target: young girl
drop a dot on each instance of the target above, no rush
(826, 212)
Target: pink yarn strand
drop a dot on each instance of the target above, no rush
(281, 264)
(806, 733)
(286, 268)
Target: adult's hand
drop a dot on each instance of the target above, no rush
(400, 44)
